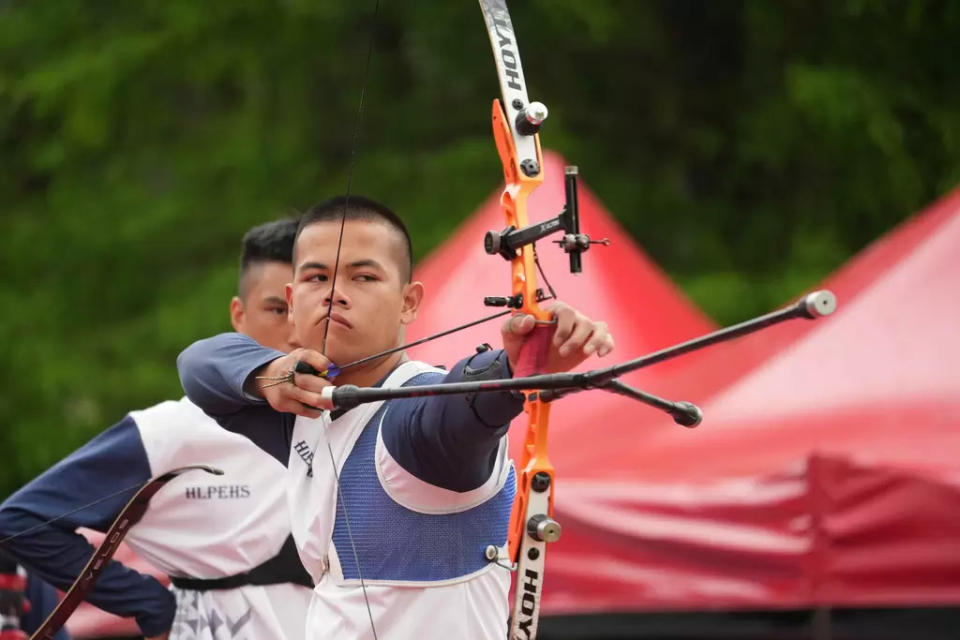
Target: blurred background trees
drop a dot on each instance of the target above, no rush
(750, 147)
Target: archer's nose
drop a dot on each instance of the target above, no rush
(340, 299)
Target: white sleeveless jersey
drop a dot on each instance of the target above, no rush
(467, 607)
(205, 526)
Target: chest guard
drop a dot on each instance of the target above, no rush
(422, 534)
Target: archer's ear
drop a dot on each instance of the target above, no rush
(237, 314)
(288, 294)
(412, 297)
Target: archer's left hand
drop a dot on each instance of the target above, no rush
(575, 338)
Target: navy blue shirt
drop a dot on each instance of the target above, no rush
(448, 441)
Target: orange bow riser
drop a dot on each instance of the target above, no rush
(515, 124)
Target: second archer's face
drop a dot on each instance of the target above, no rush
(261, 311)
(372, 302)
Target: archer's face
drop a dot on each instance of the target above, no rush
(262, 313)
(370, 304)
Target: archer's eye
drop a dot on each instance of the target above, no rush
(317, 277)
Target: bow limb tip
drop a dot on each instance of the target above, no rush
(819, 304)
(687, 414)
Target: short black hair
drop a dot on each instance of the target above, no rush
(270, 242)
(354, 207)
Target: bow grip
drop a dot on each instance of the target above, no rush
(535, 352)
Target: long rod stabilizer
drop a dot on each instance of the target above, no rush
(812, 306)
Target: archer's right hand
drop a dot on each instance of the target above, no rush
(301, 393)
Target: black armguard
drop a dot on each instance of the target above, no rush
(487, 369)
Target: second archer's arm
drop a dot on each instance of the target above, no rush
(110, 463)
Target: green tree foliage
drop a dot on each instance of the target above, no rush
(749, 146)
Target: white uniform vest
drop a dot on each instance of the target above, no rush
(473, 605)
(204, 526)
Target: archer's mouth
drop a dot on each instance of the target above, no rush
(337, 319)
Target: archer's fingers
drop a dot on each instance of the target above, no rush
(288, 405)
(285, 401)
(600, 342)
(519, 325)
(312, 400)
(579, 334)
(310, 382)
(566, 318)
(301, 402)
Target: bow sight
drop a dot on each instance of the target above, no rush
(507, 242)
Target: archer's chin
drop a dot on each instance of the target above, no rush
(339, 352)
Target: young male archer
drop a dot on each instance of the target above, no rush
(392, 503)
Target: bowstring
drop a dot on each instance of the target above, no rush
(333, 289)
(353, 546)
(45, 523)
(351, 166)
(429, 338)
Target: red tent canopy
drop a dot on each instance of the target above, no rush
(875, 382)
(830, 475)
(698, 376)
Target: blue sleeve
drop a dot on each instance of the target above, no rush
(43, 599)
(452, 441)
(213, 373)
(45, 514)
